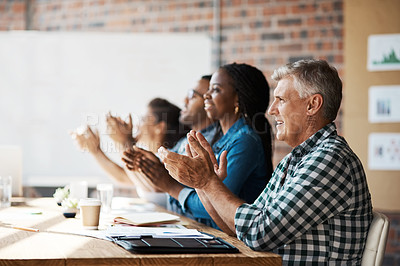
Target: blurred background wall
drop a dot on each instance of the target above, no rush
(266, 34)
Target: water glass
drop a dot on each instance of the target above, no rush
(105, 194)
(5, 191)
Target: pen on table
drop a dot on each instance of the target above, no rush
(25, 228)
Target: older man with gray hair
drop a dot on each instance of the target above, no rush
(317, 206)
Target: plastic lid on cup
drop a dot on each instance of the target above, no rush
(89, 202)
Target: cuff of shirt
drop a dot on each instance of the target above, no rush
(183, 195)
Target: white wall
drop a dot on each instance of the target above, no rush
(51, 83)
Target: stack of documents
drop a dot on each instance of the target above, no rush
(155, 232)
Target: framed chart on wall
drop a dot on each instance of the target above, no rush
(383, 52)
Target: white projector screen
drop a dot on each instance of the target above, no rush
(52, 82)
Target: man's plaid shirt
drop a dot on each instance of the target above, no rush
(320, 214)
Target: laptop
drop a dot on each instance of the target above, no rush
(148, 244)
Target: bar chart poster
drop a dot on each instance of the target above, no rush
(383, 52)
(383, 104)
(384, 151)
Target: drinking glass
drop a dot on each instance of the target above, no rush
(5, 191)
(105, 194)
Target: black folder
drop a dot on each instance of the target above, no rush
(150, 245)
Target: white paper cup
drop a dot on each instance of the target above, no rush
(90, 213)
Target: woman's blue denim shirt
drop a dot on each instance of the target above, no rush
(246, 171)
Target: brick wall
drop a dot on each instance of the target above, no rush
(265, 33)
(12, 15)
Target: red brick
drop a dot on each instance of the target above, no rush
(76, 5)
(326, 7)
(97, 3)
(339, 59)
(18, 7)
(320, 46)
(118, 23)
(260, 24)
(231, 2)
(303, 8)
(290, 22)
(320, 20)
(279, 10)
(209, 16)
(255, 2)
(245, 13)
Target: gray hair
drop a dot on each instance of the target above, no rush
(315, 77)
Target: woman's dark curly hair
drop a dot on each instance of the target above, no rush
(252, 89)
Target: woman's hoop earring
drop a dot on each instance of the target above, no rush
(236, 110)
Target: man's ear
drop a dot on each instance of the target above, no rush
(314, 104)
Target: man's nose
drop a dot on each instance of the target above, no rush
(272, 109)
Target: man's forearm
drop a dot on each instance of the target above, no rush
(213, 213)
(223, 201)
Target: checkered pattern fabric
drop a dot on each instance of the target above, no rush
(316, 209)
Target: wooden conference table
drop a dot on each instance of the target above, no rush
(47, 247)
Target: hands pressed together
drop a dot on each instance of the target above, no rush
(194, 170)
(119, 130)
(145, 162)
(87, 139)
(199, 166)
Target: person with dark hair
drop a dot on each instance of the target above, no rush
(159, 126)
(192, 115)
(167, 116)
(316, 209)
(236, 99)
(253, 103)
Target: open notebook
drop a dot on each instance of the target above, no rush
(147, 218)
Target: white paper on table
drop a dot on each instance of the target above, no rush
(155, 232)
(100, 234)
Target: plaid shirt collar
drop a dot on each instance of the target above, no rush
(314, 140)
